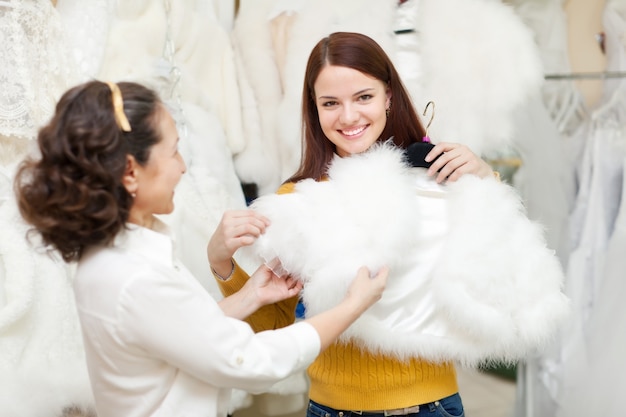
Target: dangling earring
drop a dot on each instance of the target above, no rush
(133, 195)
(388, 109)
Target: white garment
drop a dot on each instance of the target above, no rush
(599, 374)
(86, 27)
(544, 179)
(157, 344)
(471, 277)
(42, 364)
(592, 357)
(476, 96)
(35, 69)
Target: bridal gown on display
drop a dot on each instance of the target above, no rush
(550, 384)
(592, 352)
(602, 365)
(593, 362)
(42, 369)
(607, 341)
(597, 211)
(594, 365)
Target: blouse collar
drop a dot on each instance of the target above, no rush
(156, 244)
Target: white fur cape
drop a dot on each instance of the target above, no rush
(471, 277)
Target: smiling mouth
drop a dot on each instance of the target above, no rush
(353, 132)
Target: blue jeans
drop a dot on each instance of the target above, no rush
(446, 407)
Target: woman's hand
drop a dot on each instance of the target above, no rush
(264, 287)
(270, 288)
(362, 293)
(236, 229)
(365, 289)
(455, 161)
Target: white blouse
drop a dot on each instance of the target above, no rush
(157, 344)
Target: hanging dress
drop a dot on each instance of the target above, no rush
(589, 274)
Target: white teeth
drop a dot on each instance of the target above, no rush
(353, 132)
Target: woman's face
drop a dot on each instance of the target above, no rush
(160, 175)
(352, 108)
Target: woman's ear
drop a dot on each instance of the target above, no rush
(131, 178)
(388, 102)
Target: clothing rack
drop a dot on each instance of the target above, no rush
(601, 75)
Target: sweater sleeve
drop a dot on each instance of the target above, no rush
(234, 283)
(269, 317)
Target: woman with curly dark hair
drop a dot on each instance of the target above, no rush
(156, 343)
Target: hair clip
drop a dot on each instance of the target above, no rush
(118, 107)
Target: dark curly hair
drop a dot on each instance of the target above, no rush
(72, 193)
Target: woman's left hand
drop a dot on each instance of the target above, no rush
(264, 287)
(455, 161)
(270, 288)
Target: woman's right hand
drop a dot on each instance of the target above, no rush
(365, 290)
(362, 293)
(237, 228)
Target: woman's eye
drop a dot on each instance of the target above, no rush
(329, 103)
(365, 97)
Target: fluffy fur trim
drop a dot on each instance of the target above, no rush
(360, 238)
(471, 277)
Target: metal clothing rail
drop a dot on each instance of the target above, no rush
(601, 75)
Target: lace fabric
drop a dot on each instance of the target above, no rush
(87, 25)
(35, 68)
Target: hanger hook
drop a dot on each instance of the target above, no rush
(432, 116)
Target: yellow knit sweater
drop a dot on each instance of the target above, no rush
(345, 377)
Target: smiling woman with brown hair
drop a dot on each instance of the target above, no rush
(353, 98)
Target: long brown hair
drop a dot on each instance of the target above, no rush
(362, 53)
(72, 193)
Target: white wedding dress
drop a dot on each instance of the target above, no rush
(592, 359)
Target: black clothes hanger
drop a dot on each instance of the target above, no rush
(416, 152)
